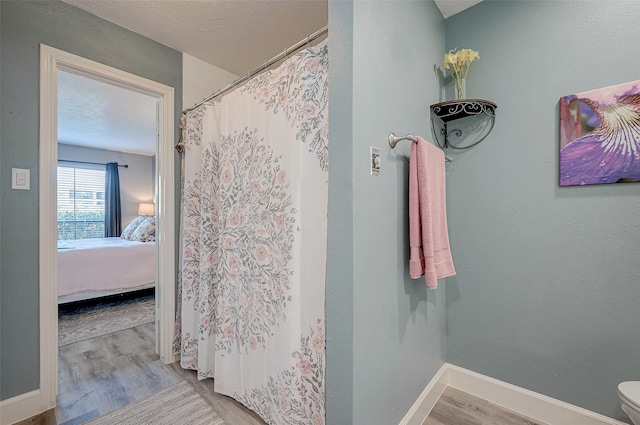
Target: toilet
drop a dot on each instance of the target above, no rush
(629, 395)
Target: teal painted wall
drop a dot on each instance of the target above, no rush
(382, 80)
(340, 255)
(548, 277)
(548, 283)
(24, 25)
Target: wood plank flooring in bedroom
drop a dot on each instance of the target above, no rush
(99, 375)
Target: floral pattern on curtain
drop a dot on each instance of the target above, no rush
(294, 396)
(256, 241)
(253, 251)
(299, 89)
(198, 271)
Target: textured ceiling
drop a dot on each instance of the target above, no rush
(451, 7)
(236, 36)
(102, 116)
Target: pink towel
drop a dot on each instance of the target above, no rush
(429, 238)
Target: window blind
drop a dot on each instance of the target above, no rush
(80, 203)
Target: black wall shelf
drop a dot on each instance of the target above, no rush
(452, 110)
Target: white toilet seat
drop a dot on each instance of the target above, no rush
(630, 393)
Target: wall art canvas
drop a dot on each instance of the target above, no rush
(600, 136)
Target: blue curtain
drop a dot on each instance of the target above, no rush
(112, 208)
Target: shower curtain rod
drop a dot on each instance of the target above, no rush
(267, 64)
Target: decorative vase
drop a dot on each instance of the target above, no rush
(461, 88)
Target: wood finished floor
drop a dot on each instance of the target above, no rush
(455, 407)
(99, 375)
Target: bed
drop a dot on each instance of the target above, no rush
(91, 268)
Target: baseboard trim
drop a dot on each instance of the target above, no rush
(528, 403)
(20, 407)
(429, 397)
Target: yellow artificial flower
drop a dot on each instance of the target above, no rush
(458, 64)
(466, 56)
(463, 56)
(460, 61)
(449, 59)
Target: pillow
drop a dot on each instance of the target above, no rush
(146, 231)
(128, 231)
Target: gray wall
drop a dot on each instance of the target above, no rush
(24, 26)
(548, 281)
(136, 181)
(382, 80)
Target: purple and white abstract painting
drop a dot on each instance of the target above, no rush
(600, 136)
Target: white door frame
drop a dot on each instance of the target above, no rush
(52, 60)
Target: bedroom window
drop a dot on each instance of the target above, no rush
(80, 203)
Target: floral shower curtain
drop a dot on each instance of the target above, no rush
(253, 254)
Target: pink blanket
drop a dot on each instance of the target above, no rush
(429, 238)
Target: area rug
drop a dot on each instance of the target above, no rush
(178, 404)
(90, 321)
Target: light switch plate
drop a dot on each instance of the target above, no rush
(375, 160)
(20, 178)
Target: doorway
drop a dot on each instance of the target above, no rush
(51, 61)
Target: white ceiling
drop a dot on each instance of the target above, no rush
(102, 116)
(235, 35)
(451, 7)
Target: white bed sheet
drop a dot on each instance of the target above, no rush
(104, 264)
